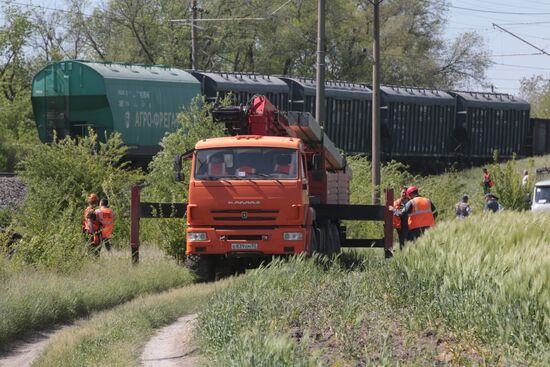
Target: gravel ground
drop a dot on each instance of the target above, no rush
(12, 192)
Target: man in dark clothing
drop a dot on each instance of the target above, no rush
(462, 209)
(400, 223)
(491, 203)
(421, 213)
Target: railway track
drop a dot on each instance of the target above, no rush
(8, 174)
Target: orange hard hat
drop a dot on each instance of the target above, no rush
(411, 189)
(92, 198)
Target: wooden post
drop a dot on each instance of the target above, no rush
(388, 225)
(134, 222)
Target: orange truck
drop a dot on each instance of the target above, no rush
(278, 186)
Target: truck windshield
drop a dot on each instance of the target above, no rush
(246, 163)
(542, 194)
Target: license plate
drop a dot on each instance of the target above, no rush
(244, 246)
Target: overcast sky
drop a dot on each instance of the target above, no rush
(512, 58)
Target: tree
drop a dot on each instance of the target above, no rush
(537, 92)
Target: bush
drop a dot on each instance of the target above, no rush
(196, 124)
(59, 177)
(508, 185)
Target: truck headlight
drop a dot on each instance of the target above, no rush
(293, 236)
(196, 236)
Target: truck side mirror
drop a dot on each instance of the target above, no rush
(178, 174)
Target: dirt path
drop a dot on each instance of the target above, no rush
(25, 352)
(172, 346)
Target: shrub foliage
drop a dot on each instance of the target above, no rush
(59, 177)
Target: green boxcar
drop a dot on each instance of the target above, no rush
(139, 102)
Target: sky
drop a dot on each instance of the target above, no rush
(511, 58)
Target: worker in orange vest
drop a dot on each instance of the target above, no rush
(105, 217)
(400, 223)
(91, 225)
(93, 202)
(421, 212)
(487, 182)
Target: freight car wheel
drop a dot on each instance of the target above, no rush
(204, 267)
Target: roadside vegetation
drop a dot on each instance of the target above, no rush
(470, 292)
(34, 299)
(117, 337)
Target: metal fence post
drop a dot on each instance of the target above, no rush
(134, 222)
(388, 224)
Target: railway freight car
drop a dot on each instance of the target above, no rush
(348, 110)
(139, 102)
(419, 123)
(243, 87)
(486, 122)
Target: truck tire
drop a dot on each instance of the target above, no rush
(203, 267)
(335, 239)
(324, 240)
(313, 241)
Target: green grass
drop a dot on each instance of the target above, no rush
(116, 337)
(470, 292)
(31, 299)
(304, 313)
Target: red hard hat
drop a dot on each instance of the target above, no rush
(411, 189)
(92, 198)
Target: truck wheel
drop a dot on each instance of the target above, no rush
(335, 239)
(313, 241)
(203, 267)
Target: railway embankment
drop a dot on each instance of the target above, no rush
(12, 191)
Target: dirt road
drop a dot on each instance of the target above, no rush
(24, 353)
(172, 345)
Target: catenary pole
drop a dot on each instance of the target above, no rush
(194, 35)
(320, 76)
(376, 105)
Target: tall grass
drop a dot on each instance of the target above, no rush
(32, 299)
(490, 276)
(314, 312)
(481, 285)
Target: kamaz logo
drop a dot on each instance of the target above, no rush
(247, 202)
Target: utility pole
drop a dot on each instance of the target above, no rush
(376, 105)
(320, 76)
(194, 35)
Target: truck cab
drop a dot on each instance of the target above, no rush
(541, 197)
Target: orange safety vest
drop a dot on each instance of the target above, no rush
(85, 221)
(396, 219)
(421, 215)
(105, 217)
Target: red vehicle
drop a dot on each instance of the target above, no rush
(277, 187)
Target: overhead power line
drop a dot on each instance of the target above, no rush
(496, 12)
(521, 39)
(521, 66)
